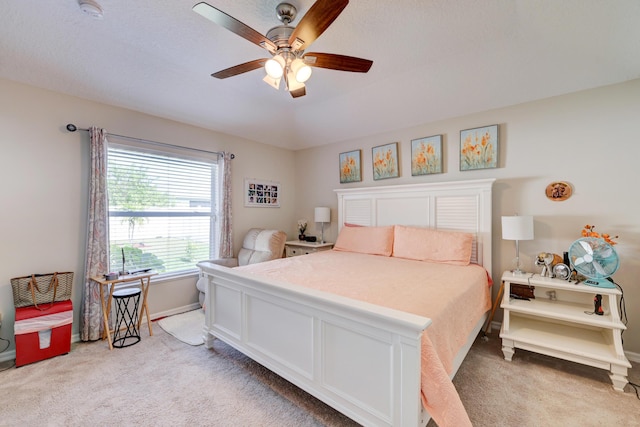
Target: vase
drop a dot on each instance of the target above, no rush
(301, 237)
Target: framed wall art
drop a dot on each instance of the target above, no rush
(350, 170)
(426, 155)
(479, 148)
(384, 159)
(261, 193)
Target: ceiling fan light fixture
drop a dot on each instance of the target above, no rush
(275, 67)
(287, 44)
(301, 71)
(292, 83)
(274, 83)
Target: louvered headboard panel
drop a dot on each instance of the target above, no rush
(454, 206)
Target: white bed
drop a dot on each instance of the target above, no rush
(308, 337)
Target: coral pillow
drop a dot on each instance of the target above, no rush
(425, 244)
(366, 240)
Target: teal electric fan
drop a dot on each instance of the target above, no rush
(594, 259)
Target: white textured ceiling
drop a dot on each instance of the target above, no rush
(433, 59)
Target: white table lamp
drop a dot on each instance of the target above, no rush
(322, 215)
(517, 228)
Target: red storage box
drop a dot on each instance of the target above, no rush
(43, 334)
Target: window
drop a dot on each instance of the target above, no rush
(162, 209)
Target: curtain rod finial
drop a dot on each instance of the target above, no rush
(71, 127)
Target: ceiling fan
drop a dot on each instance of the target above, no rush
(287, 45)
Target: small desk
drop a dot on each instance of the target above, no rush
(145, 280)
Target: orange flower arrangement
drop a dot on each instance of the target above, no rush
(588, 231)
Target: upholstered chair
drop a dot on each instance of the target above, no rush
(259, 245)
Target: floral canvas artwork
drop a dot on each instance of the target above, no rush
(426, 155)
(385, 161)
(479, 148)
(350, 167)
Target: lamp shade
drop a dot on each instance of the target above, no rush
(322, 215)
(301, 71)
(517, 227)
(275, 67)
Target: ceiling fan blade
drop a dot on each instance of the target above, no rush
(337, 62)
(233, 25)
(239, 69)
(315, 21)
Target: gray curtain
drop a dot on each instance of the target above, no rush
(226, 219)
(97, 249)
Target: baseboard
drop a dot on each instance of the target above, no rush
(11, 355)
(633, 357)
(6, 356)
(184, 308)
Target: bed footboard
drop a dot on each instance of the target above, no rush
(362, 360)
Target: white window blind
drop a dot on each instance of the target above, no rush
(162, 210)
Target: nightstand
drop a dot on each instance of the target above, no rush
(298, 247)
(559, 321)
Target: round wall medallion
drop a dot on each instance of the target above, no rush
(558, 191)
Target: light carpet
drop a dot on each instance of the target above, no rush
(187, 327)
(162, 382)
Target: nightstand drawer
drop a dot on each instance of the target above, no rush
(295, 248)
(294, 251)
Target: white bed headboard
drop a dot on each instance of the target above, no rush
(454, 206)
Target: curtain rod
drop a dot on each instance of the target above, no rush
(72, 128)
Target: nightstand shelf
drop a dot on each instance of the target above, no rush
(580, 345)
(560, 322)
(563, 310)
(298, 247)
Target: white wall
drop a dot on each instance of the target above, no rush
(589, 139)
(43, 187)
